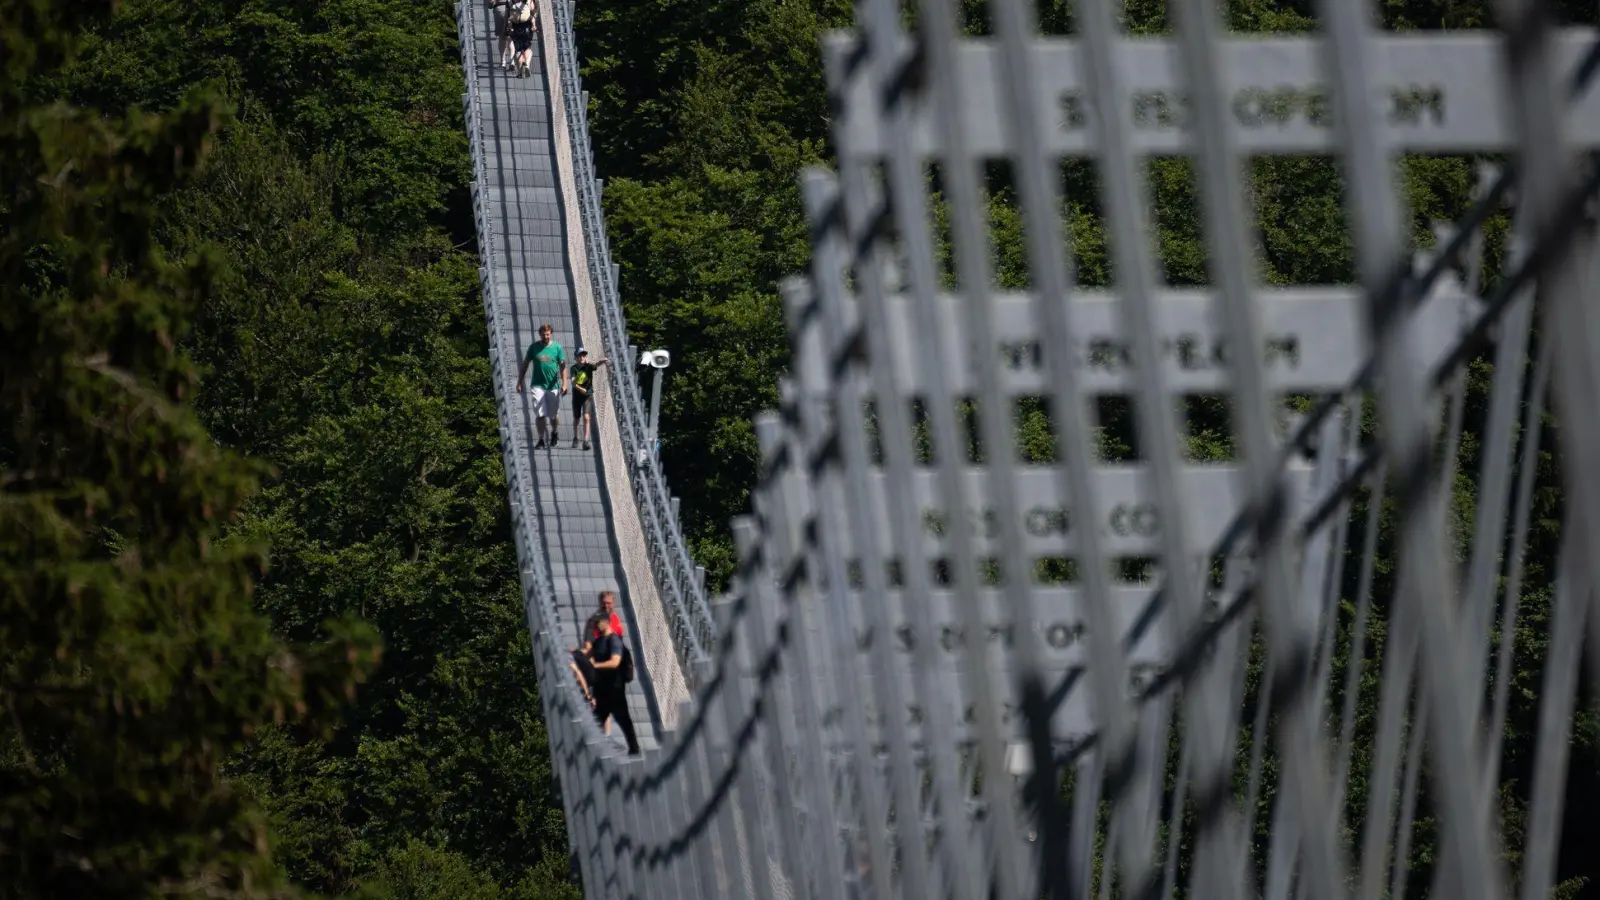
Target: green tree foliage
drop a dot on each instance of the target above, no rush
(703, 115)
(366, 383)
(340, 342)
(132, 665)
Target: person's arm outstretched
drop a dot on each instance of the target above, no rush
(582, 685)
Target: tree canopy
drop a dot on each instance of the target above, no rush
(259, 438)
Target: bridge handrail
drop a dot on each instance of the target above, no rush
(534, 574)
(680, 582)
(566, 711)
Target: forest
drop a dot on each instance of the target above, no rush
(260, 632)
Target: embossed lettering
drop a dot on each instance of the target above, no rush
(1059, 636)
(1262, 106)
(1192, 351)
(1284, 347)
(1109, 354)
(985, 523)
(1136, 519)
(1022, 354)
(1409, 103)
(1074, 111)
(1160, 109)
(1043, 521)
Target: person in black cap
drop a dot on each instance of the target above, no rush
(582, 388)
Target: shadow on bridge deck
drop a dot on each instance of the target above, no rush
(533, 284)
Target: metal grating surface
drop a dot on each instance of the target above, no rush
(556, 495)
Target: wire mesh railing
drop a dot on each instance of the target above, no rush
(962, 662)
(680, 581)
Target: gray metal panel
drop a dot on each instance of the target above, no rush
(1430, 93)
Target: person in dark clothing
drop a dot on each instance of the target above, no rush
(610, 691)
(505, 34)
(521, 18)
(583, 671)
(583, 383)
(579, 662)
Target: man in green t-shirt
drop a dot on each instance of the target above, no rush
(548, 376)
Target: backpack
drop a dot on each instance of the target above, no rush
(627, 665)
(520, 12)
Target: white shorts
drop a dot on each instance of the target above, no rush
(546, 404)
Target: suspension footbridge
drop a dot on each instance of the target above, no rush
(947, 671)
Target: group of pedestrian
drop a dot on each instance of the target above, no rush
(549, 363)
(516, 32)
(603, 665)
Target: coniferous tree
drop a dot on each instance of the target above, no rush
(131, 661)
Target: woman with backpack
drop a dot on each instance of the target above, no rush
(516, 32)
(521, 19)
(609, 655)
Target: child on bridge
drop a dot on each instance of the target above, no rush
(583, 384)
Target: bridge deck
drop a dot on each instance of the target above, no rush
(534, 285)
